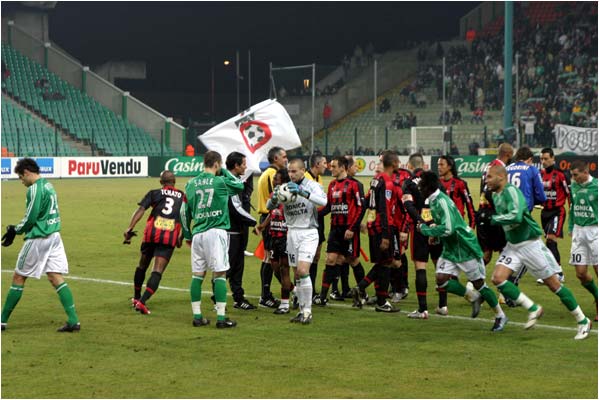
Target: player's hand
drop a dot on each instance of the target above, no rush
(180, 241)
(418, 227)
(384, 244)
(258, 230)
(349, 234)
(403, 236)
(363, 228)
(128, 235)
(293, 187)
(188, 242)
(9, 236)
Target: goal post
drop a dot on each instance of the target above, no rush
(429, 138)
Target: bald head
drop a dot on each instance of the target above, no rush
(167, 178)
(505, 152)
(496, 178)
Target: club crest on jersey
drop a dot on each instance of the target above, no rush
(388, 194)
(255, 133)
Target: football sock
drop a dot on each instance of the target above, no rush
(489, 297)
(344, 275)
(454, 287)
(358, 270)
(304, 290)
(395, 279)
(591, 287)
(442, 297)
(382, 285)
(220, 294)
(421, 289)
(195, 291)
(66, 298)
(566, 297)
(12, 298)
(552, 246)
(138, 281)
(403, 275)
(328, 276)
(511, 291)
(284, 303)
(266, 278)
(151, 286)
(313, 273)
(369, 278)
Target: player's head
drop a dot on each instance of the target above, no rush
(415, 161)
(339, 167)
(496, 178)
(390, 160)
(277, 156)
(318, 163)
(547, 157)
(524, 154)
(580, 171)
(27, 170)
(352, 166)
(236, 163)
(280, 177)
(167, 178)
(505, 152)
(296, 170)
(213, 160)
(429, 183)
(446, 166)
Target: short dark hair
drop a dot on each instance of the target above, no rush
(167, 177)
(233, 159)
(580, 165)
(273, 152)
(342, 162)
(429, 182)
(284, 175)
(315, 158)
(549, 151)
(416, 160)
(451, 162)
(350, 161)
(28, 164)
(388, 157)
(211, 158)
(523, 153)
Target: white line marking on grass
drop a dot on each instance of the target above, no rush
(456, 317)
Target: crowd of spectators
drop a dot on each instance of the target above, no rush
(407, 120)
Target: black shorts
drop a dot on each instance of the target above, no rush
(336, 242)
(278, 248)
(157, 250)
(321, 237)
(553, 221)
(377, 256)
(421, 250)
(490, 237)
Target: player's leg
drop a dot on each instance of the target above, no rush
(146, 254)
(382, 286)
(219, 264)
(266, 297)
(12, 298)
(314, 270)
(584, 253)
(198, 274)
(475, 273)
(419, 250)
(66, 299)
(435, 250)
(285, 283)
(162, 256)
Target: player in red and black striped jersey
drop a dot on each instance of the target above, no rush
(161, 234)
(382, 199)
(399, 272)
(557, 190)
(456, 188)
(344, 203)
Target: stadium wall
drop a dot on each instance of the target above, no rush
(82, 167)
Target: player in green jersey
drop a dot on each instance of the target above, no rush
(583, 225)
(43, 251)
(205, 220)
(461, 251)
(524, 247)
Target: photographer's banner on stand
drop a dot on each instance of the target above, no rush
(582, 141)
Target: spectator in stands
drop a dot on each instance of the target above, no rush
(412, 119)
(456, 117)
(282, 92)
(473, 148)
(477, 116)
(385, 106)
(421, 100)
(529, 122)
(369, 51)
(327, 111)
(454, 150)
(5, 72)
(397, 121)
(358, 56)
(444, 117)
(189, 150)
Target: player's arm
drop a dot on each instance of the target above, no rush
(261, 227)
(311, 191)
(539, 196)
(571, 216)
(469, 204)
(234, 184)
(246, 217)
(34, 201)
(186, 215)
(358, 205)
(516, 209)
(327, 209)
(442, 226)
(381, 209)
(408, 201)
(565, 182)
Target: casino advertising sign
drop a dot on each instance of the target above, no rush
(180, 166)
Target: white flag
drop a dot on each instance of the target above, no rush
(253, 133)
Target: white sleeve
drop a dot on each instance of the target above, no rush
(317, 195)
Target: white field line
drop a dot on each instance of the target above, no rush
(330, 304)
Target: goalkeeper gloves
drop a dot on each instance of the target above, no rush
(128, 235)
(9, 236)
(297, 189)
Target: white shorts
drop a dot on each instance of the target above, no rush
(42, 255)
(584, 245)
(210, 251)
(473, 269)
(533, 254)
(301, 245)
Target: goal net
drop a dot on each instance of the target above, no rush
(428, 140)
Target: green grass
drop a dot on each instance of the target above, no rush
(345, 353)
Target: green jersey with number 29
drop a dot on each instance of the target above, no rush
(207, 202)
(41, 215)
(513, 215)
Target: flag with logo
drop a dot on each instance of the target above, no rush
(253, 132)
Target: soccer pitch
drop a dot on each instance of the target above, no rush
(344, 353)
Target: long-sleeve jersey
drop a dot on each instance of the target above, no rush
(459, 241)
(164, 222)
(277, 227)
(414, 202)
(400, 215)
(303, 212)
(207, 202)
(511, 212)
(557, 187)
(583, 211)
(381, 201)
(344, 203)
(42, 217)
(362, 200)
(527, 178)
(457, 190)
(265, 188)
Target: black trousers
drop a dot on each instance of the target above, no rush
(237, 245)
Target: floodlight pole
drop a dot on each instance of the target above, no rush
(313, 104)
(374, 104)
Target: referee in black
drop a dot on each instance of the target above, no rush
(241, 220)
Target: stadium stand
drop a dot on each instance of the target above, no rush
(72, 111)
